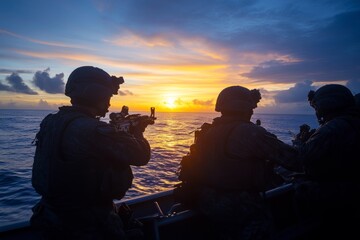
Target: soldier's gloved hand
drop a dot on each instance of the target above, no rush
(141, 125)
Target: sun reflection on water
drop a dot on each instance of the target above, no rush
(169, 139)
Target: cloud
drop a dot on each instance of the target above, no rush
(203, 103)
(8, 105)
(327, 50)
(205, 41)
(54, 44)
(181, 16)
(16, 84)
(265, 93)
(324, 39)
(125, 93)
(24, 104)
(7, 88)
(9, 71)
(43, 104)
(41, 79)
(53, 85)
(295, 94)
(180, 102)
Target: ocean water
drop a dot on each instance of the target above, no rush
(170, 138)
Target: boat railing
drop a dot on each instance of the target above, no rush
(160, 208)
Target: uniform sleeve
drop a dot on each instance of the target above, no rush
(285, 155)
(315, 152)
(250, 141)
(121, 148)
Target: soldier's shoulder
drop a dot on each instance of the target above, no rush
(245, 130)
(336, 124)
(105, 129)
(250, 127)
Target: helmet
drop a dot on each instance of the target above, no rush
(330, 99)
(237, 99)
(305, 127)
(89, 85)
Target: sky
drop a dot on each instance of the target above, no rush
(178, 55)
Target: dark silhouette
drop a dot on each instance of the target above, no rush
(228, 166)
(303, 135)
(258, 122)
(82, 164)
(328, 197)
(357, 99)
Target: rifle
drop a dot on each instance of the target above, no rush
(125, 122)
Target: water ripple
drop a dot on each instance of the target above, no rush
(170, 138)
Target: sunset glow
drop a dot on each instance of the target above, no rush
(181, 59)
(170, 102)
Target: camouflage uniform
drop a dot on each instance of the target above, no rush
(81, 164)
(330, 193)
(230, 164)
(234, 165)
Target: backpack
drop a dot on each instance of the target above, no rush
(186, 191)
(48, 158)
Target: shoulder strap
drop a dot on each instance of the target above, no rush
(230, 130)
(62, 132)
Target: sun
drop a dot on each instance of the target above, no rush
(170, 102)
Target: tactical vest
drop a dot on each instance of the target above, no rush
(210, 164)
(340, 160)
(59, 179)
(50, 173)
